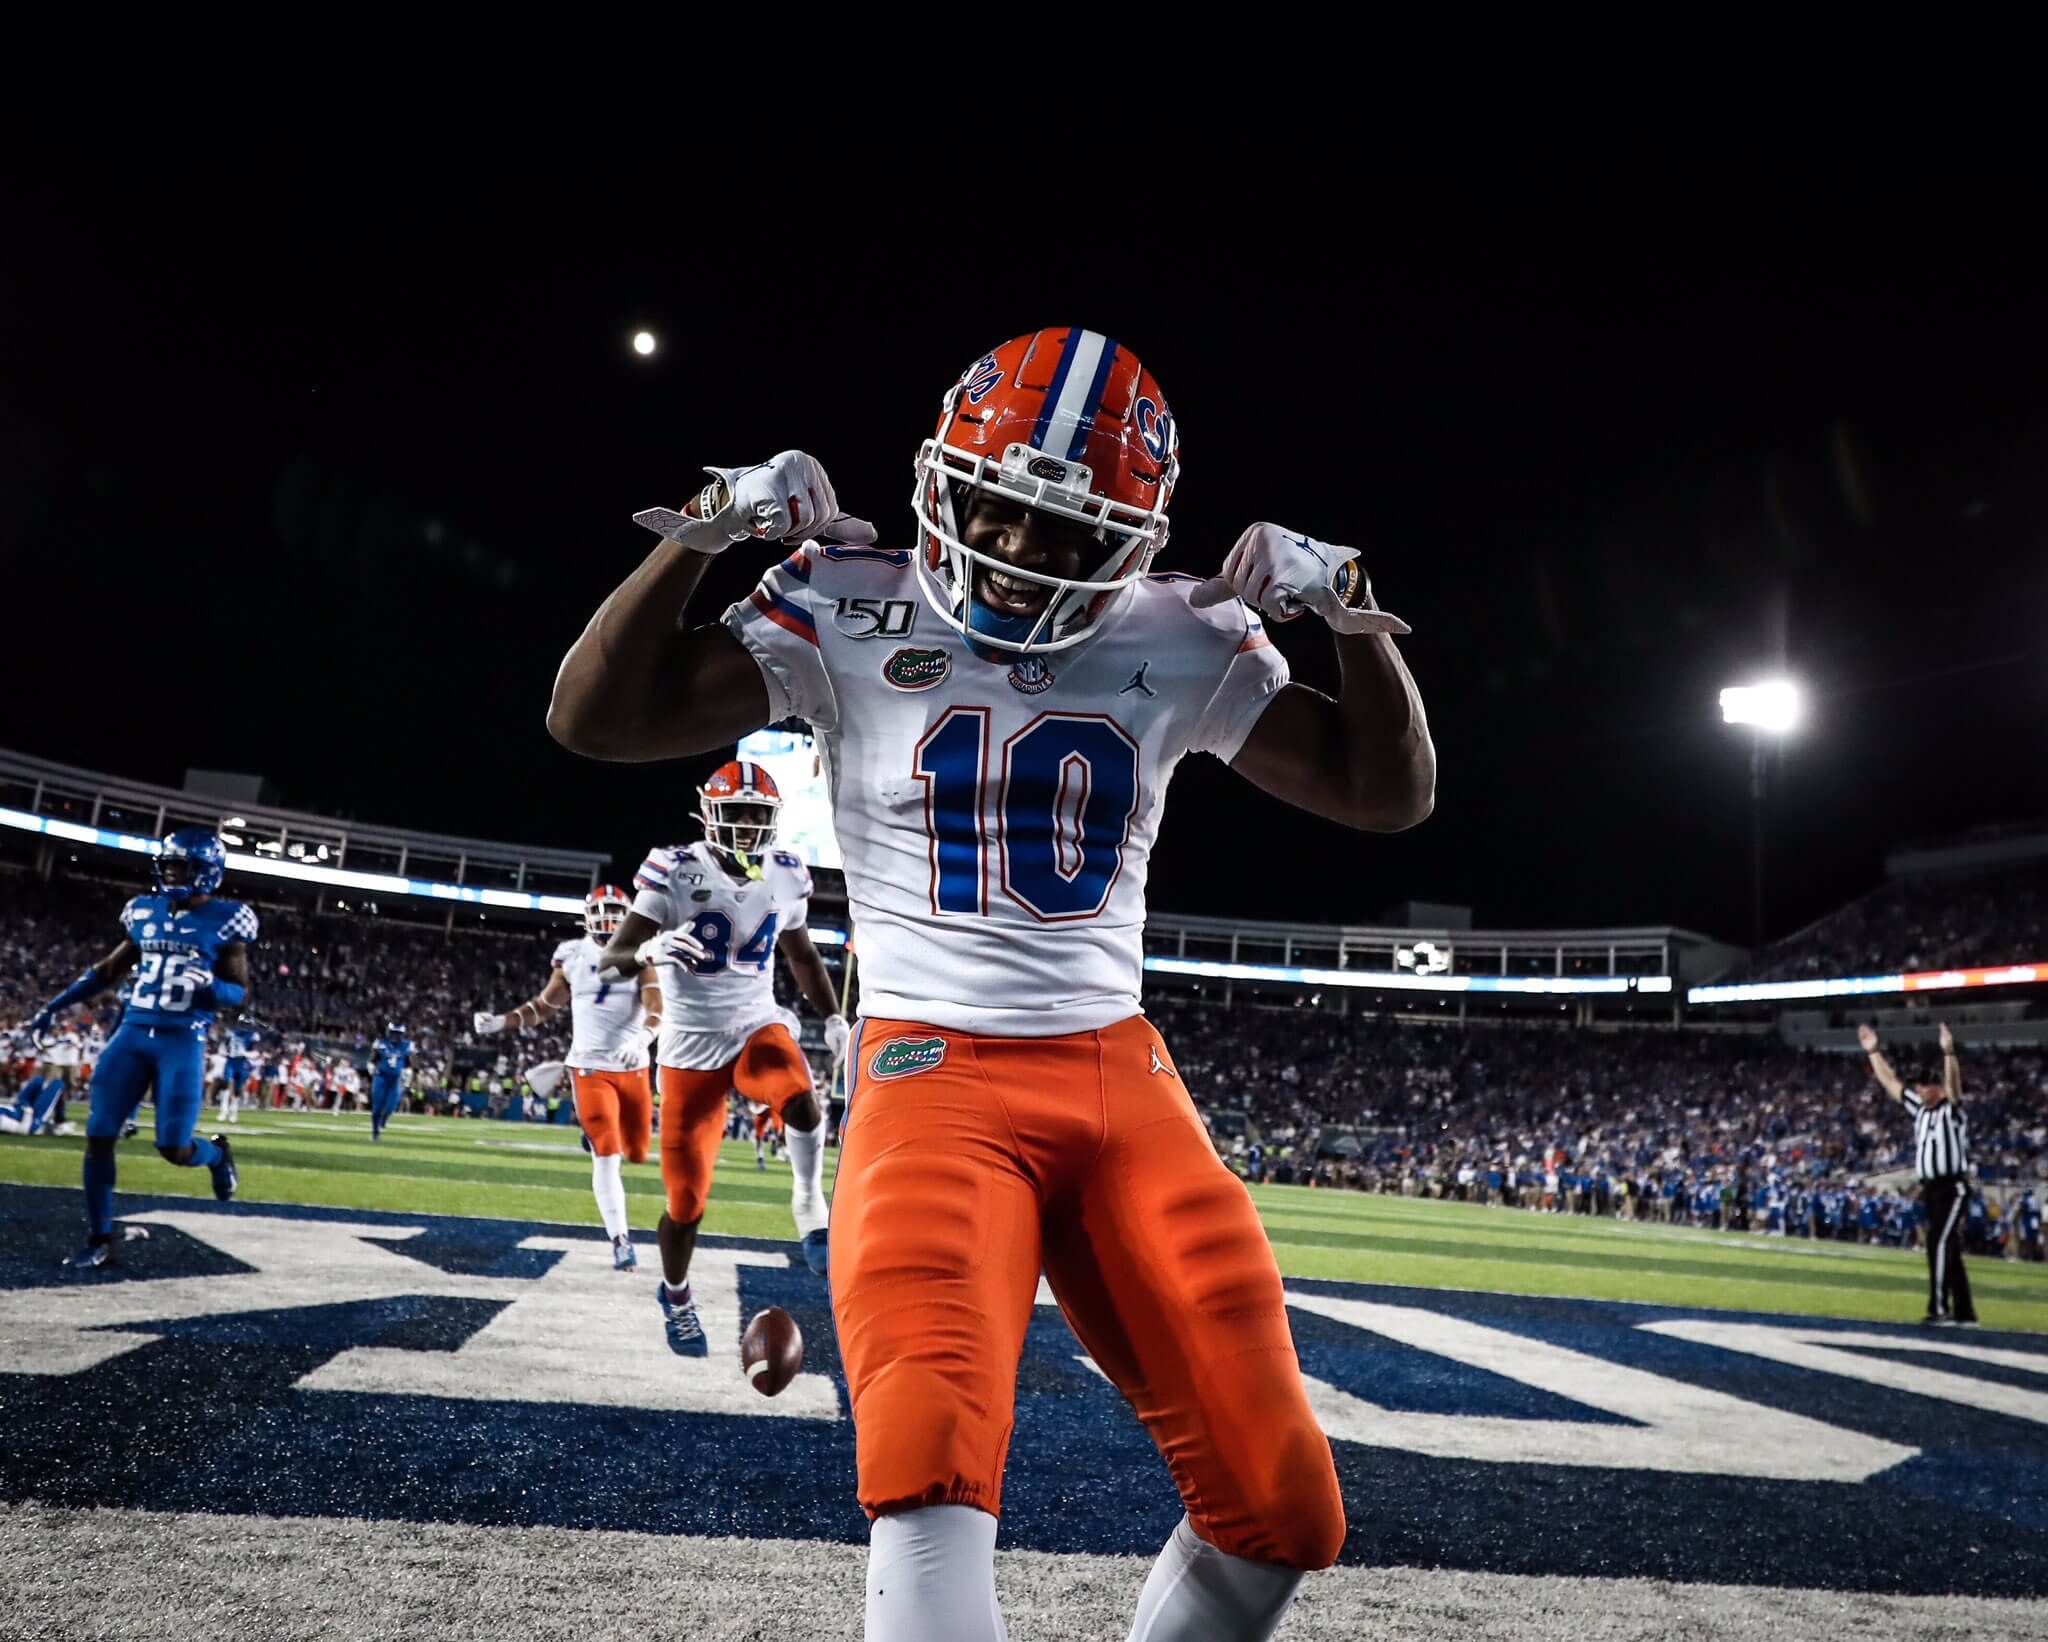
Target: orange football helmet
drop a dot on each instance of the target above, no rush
(1067, 421)
(738, 806)
(605, 909)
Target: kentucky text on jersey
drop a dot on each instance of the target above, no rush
(179, 949)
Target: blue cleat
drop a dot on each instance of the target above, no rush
(685, 1329)
(623, 1257)
(98, 1252)
(225, 1176)
(818, 1252)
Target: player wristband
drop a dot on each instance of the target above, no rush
(223, 995)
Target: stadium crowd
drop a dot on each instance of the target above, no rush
(1927, 921)
(1729, 1130)
(1715, 1128)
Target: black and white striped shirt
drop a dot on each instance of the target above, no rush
(1941, 1137)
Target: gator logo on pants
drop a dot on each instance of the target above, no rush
(900, 1057)
(917, 669)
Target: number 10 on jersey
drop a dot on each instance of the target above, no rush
(1065, 793)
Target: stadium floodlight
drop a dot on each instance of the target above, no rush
(643, 343)
(1775, 707)
(1771, 709)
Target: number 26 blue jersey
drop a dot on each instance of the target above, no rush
(180, 946)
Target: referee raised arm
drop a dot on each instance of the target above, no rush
(1941, 1137)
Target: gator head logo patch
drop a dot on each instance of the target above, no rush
(909, 669)
(900, 1057)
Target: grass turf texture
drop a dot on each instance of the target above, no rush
(538, 1172)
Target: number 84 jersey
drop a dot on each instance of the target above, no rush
(996, 816)
(711, 1005)
(180, 946)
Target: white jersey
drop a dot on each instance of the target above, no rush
(608, 1021)
(997, 818)
(712, 1005)
(65, 1050)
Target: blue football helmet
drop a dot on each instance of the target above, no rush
(394, 1031)
(200, 861)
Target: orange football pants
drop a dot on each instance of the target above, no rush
(961, 1175)
(616, 1110)
(770, 1069)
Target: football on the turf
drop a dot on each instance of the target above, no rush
(772, 1350)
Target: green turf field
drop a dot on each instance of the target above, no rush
(538, 1172)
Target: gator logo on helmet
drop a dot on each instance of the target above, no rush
(1044, 467)
(909, 669)
(904, 1057)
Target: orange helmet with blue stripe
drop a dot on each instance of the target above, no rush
(738, 806)
(1067, 421)
(604, 910)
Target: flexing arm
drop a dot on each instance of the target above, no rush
(1880, 1068)
(638, 685)
(1364, 759)
(91, 984)
(1951, 1068)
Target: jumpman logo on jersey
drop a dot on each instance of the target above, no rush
(1158, 1065)
(1138, 681)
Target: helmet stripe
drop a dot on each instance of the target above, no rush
(1059, 386)
(1096, 386)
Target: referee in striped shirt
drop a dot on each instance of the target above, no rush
(1941, 1136)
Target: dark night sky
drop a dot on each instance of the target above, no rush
(329, 501)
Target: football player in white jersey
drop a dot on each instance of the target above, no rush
(723, 907)
(611, 1013)
(1000, 704)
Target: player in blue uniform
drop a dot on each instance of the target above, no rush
(2027, 1223)
(238, 1046)
(388, 1057)
(189, 956)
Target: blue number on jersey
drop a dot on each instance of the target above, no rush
(713, 931)
(1069, 792)
(179, 946)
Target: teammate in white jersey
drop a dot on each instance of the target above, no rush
(723, 907)
(611, 1013)
(1000, 706)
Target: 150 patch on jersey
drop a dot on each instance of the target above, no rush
(874, 618)
(909, 669)
(902, 1057)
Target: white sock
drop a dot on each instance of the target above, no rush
(610, 1188)
(1196, 1593)
(932, 1576)
(807, 1196)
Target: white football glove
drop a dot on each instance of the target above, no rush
(1281, 575)
(678, 946)
(837, 1035)
(484, 1023)
(787, 498)
(545, 1078)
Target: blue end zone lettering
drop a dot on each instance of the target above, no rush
(259, 1359)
